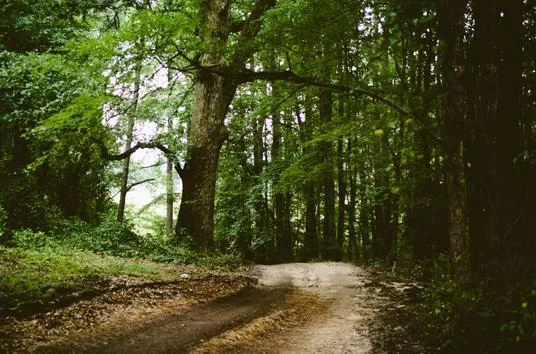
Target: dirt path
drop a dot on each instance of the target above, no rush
(296, 308)
(177, 332)
(366, 312)
(342, 329)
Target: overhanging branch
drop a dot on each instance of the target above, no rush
(105, 154)
(138, 183)
(289, 76)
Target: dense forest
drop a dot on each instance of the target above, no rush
(393, 134)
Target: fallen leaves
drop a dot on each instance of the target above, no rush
(117, 302)
(298, 307)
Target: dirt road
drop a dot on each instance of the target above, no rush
(295, 308)
(181, 331)
(342, 329)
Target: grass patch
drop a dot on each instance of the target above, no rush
(37, 275)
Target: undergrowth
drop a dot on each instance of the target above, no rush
(35, 266)
(117, 239)
(34, 275)
(482, 318)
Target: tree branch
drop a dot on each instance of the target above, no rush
(289, 76)
(250, 27)
(105, 154)
(138, 183)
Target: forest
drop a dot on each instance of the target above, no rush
(395, 135)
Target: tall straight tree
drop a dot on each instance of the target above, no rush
(128, 143)
(451, 25)
(280, 204)
(310, 243)
(325, 108)
(170, 193)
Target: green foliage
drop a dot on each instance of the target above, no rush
(234, 218)
(33, 275)
(29, 239)
(40, 24)
(3, 224)
(107, 237)
(476, 319)
(114, 239)
(519, 331)
(47, 169)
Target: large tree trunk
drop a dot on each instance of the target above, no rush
(481, 147)
(512, 203)
(207, 133)
(213, 95)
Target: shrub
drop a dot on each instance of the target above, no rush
(29, 239)
(107, 237)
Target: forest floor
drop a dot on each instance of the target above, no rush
(288, 308)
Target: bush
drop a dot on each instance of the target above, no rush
(108, 237)
(29, 239)
(483, 318)
(116, 239)
(454, 315)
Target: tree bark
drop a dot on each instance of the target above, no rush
(352, 253)
(382, 235)
(281, 207)
(261, 227)
(512, 203)
(341, 199)
(213, 95)
(207, 133)
(128, 144)
(329, 236)
(451, 17)
(170, 193)
(309, 190)
(364, 216)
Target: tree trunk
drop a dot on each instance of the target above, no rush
(325, 108)
(512, 203)
(281, 207)
(311, 237)
(341, 183)
(169, 187)
(395, 197)
(207, 133)
(451, 17)
(383, 206)
(352, 250)
(364, 217)
(262, 222)
(213, 95)
(128, 144)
